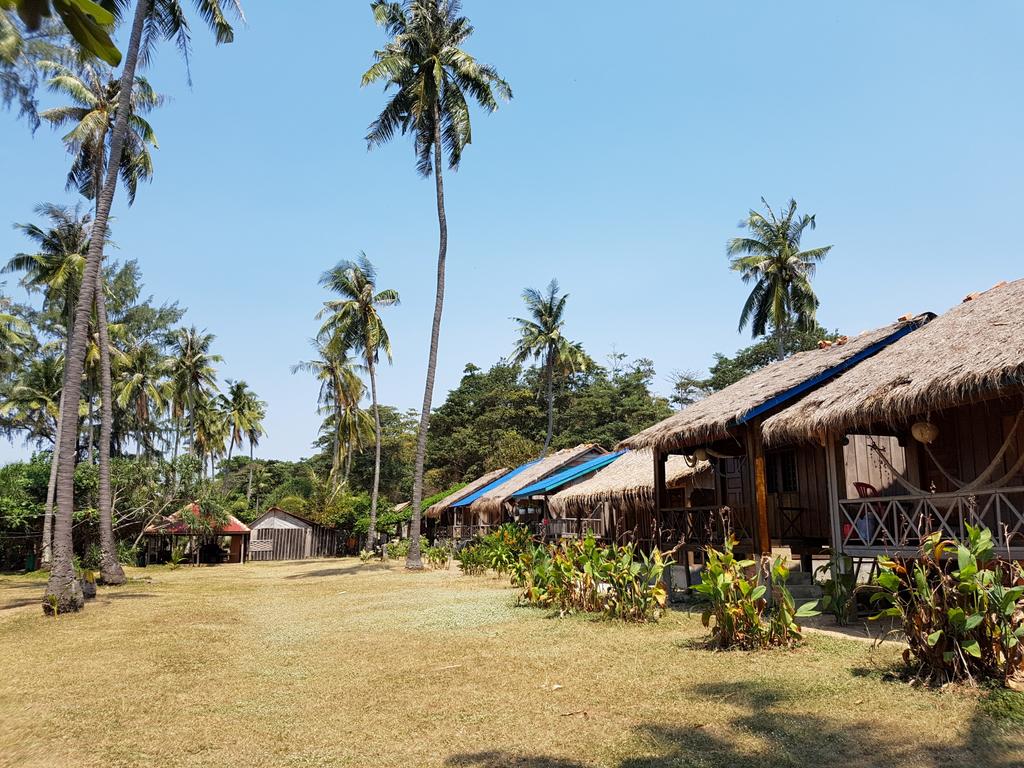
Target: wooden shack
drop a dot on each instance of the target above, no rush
(281, 535)
(951, 396)
(204, 543)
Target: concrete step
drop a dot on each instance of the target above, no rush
(805, 591)
(800, 577)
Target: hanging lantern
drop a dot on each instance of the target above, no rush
(701, 454)
(924, 432)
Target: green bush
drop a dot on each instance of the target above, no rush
(839, 588)
(473, 560)
(961, 616)
(436, 556)
(127, 553)
(397, 549)
(738, 611)
(584, 576)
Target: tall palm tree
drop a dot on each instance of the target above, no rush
(253, 432)
(211, 430)
(541, 338)
(771, 259)
(430, 74)
(241, 407)
(55, 270)
(355, 322)
(92, 113)
(193, 378)
(158, 19)
(341, 391)
(142, 386)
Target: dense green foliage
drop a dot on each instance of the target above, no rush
(496, 418)
(961, 616)
(738, 610)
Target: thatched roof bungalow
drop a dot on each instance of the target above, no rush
(492, 504)
(436, 510)
(622, 494)
(627, 484)
(764, 498)
(952, 395)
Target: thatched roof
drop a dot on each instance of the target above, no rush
(628, 483)
(491, 502)
(435, 510)
(710, 419)
(972, 351)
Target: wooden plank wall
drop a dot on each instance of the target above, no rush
(969, 438)
(863, 465)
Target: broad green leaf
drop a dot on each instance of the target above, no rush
(933, 638)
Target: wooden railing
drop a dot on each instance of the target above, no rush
(697, 527)
(571, 527)
(897, 524)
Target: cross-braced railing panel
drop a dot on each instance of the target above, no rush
(697, 527)
(898, 524)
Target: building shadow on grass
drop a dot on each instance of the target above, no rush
(767, 731)
(325, 572)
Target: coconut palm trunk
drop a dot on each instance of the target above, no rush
(549, 365)
(413, 561)
(248, 492)
(110, 569)
(51, 487)
(372, 533)
(63, 593)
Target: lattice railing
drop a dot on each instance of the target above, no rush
(897, 524)
(570, 527)
(698, 527)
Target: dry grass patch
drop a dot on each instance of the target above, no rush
(331, 663)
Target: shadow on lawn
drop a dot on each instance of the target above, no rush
(336, 572)
(787, 738)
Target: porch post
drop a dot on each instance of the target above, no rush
(831, 449)
(762, 541)
(659, 493)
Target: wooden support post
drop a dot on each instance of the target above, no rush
(832, 447)
(659, 492)
(763, 541)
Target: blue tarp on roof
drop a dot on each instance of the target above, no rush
(559, 479)
(492, 485)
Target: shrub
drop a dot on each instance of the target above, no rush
(366, 555)
(738, 611)
(397, 549)
(963, 618)
(584, 576)
(839, 588)
(127, 553)
(503, 547)
(436, 556)
(473, 560)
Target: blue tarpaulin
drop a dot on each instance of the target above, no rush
(492, 485)
(559, 479)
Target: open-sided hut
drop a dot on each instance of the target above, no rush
(445, 520)
(202, 541)
(495, 504)
(281, 535)
(762, 497)
(952, 395)
(622, 494)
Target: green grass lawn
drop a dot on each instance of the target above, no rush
(331, 663)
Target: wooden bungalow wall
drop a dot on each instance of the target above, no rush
(292, 543)
(969, 439)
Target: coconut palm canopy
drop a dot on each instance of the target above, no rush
(627, 483)
(435, 510)
(491, 502)
(972, 351)
(775, 384)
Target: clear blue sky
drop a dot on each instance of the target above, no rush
(637, 139)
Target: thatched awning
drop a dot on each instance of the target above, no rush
(973, 351)
(435, 510)
(628, 484)
(491, 502)
(770, 387)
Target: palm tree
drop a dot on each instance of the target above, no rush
(430, 75)
(541, 338)
(254, 431)
(55, 269)
(158, 19)
(341, 390)
(241, 407)
(193, 378)
(355, 322)
(211, 430)
(770, 258)
(142, 386)
(93, 91)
